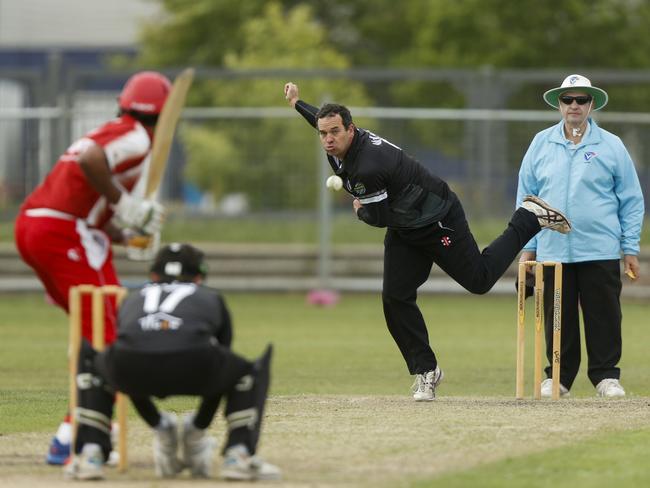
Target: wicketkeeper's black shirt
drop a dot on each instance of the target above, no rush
(173, 317)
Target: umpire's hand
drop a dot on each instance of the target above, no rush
(530, 276)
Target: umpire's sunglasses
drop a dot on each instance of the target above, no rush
(580, 99)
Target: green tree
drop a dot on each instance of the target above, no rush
(570, 35)
(499, 33)
(567, 35)
(196, 32)
(222, 158)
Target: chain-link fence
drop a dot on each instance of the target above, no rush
(240, 174)
(265, 162)
(231, 161)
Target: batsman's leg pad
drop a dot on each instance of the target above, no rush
(245, 406)
(95, 407)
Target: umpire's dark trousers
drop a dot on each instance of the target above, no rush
(409, 255)
(594, 287)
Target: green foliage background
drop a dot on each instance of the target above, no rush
(569, 35)
(413, 33)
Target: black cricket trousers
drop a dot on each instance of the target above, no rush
(409, 255)
(208, 371)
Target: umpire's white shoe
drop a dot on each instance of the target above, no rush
(424, 388)
(547, 389)
(239, 465)
(198, 449)
(610, 388)
(87, 465)
(165, 445)
(547, 216)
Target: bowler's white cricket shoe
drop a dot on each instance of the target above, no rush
(424, 388)
(547, 216)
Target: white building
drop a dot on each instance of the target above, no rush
(35, 35)
(73, 23)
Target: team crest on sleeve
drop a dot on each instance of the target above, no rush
(359, 189)
(589, 155)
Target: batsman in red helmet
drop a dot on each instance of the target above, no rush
(91, 198)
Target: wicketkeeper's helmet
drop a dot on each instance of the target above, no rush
(145, 92)
(179, 262)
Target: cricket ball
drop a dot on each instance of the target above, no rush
(334, 183)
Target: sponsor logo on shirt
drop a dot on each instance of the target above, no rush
(160, 321)
(589, 155)
(73, 254)
(377, 141)
(374, 139)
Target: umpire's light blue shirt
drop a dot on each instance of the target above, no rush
(594, 183)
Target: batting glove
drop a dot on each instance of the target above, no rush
(145, 215)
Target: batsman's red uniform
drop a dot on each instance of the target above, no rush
(59, 232)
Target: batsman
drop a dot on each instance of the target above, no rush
(425, 224)
(97, 194)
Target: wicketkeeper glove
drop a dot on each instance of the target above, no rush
(144, 215)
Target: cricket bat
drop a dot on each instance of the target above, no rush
(164, 133)
(163, 137)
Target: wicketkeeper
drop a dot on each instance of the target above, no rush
(173, 338)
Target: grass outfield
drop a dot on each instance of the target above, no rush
(340, 412)
(292, 229)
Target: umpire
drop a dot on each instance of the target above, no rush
(173, 338)
(425, 223)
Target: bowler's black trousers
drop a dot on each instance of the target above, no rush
(594, 287)
(409, 255)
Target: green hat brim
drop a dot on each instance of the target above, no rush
(600, 96)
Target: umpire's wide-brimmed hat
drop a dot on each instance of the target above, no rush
(576, 83)
(180, 262)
